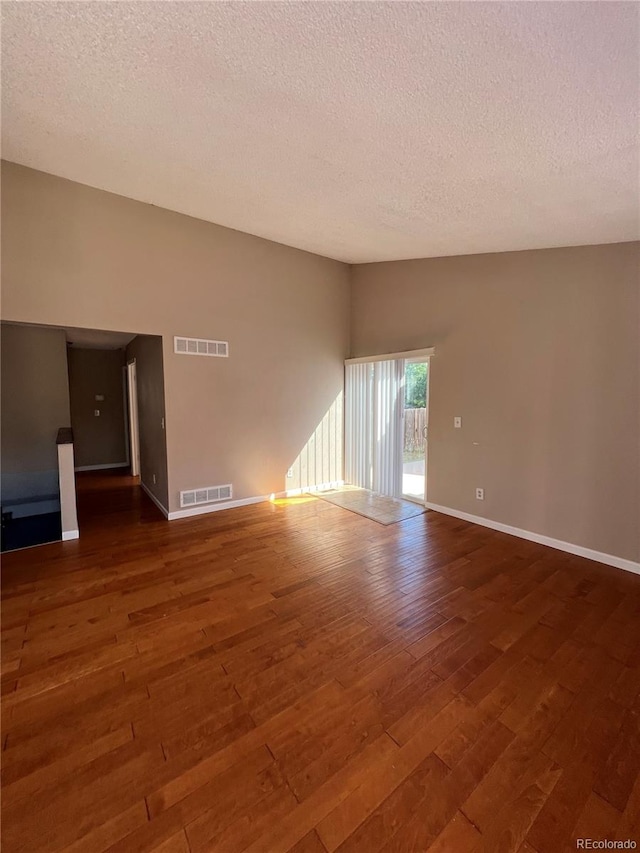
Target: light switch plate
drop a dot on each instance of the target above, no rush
(457, 422)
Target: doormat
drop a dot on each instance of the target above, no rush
(378, 508)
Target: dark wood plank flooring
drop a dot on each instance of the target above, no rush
(294, 677)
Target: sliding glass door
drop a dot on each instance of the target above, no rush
(386, 406)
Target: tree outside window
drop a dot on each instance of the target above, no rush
(415, 386)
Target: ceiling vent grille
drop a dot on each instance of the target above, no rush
(208, 495)
(198, 346)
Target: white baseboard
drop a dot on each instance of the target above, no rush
(569, 547)
(217, 507)
(150, 494)
(102, 467)
(70, 534)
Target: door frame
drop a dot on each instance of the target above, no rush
(134, 426)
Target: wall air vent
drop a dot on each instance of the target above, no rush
(197, 346)
(208, 495)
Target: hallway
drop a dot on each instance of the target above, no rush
(109, 498)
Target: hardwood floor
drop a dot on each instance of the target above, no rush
(294, 677)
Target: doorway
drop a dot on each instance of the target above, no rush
(415, 430)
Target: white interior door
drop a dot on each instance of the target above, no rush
(134, 435)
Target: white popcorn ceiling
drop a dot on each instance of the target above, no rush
(361, 131)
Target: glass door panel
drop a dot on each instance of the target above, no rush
(414, 467)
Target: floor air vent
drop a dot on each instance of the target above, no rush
(198, 346)
(211, 494)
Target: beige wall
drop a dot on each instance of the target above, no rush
(75, 256)
(34, 404)
(97, 440)
(146, 350)
(538, 353)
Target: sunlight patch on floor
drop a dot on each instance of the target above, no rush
(293, 501)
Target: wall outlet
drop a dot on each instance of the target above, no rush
(457, 423)
(290, 473)
(479, 494)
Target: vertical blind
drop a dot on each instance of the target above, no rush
(373, 425)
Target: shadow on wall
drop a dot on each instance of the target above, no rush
(320, 462)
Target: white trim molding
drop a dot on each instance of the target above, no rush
(150, 494)
(70, 534)
(427, 352)
(569, 547)
(102, 467)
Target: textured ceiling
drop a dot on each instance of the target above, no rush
(360, 131)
